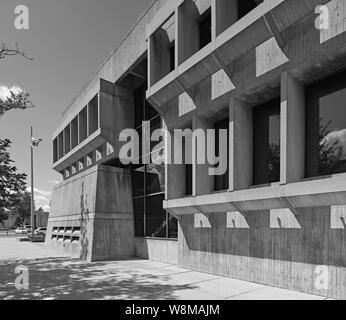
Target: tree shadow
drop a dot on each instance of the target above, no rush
(66, 279)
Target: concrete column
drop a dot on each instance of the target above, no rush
(241, 145)
(187, 35)
(159, 60)
(292, 130)
(225, 14)
(175, 173)
(203, 183)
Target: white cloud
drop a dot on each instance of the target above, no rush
(42, 198)
(5, 91)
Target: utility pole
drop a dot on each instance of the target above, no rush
(32, 185)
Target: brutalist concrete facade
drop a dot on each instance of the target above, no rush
(277, 222)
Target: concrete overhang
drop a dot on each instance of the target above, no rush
(268, 19)
(100, 85)
(322, 192)
(94, 141)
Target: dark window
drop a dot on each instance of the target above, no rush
(156, 217)
(188, 179)
(138, 181)
(245, 6)
(55, 150)
(155, 179)
(266, 161)
(326, 127)
(172, 56)
(221, 181)
(139, 216)
(205, 29)
(148, 182)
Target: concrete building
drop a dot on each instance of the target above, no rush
(270, 72)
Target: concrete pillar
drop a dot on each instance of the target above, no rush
(292, 130)
(175, 173)
(159, 61)
(187, 34)
(203, 183)
(225, 14)
(241, 145)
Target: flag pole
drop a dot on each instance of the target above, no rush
(32, 186)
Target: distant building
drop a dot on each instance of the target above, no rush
(263, 70)
(40, 219)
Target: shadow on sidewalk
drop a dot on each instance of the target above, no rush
(66, 279)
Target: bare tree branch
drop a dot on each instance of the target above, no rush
(6, 52)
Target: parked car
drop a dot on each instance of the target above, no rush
(28, 229)
(20, 230)
(41, 231)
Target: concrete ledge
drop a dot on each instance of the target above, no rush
(317, 193)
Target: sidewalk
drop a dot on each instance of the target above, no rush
(52, 277)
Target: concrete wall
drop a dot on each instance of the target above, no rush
(99, 202)
(165, 251)
(260, 251)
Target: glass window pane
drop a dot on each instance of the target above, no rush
(155, 179)
(139, 217)
(138, 181)
(266, 160)
(326, 126)
(332, 144)
(150, 112)
(156, 224)
(172, 227)
(205, 29)
(139, 107)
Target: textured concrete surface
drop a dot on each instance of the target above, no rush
(56, 277)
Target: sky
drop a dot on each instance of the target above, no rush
(69, 40)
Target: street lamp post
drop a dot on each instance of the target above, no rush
(32, 185)
(33, 143)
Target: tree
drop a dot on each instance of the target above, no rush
(6, 52)
(17, 100)
(22, 206)
(12, 183)
(330, 155)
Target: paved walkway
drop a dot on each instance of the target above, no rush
(57, 277)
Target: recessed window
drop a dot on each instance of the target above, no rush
(245, 6)
(326, 127)
(156, 218)
(74, 132)
(93, 115)
(83, 124)
(172, 56)
(55, 150)
(61, 145)
(266, 129)
(205, 29)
